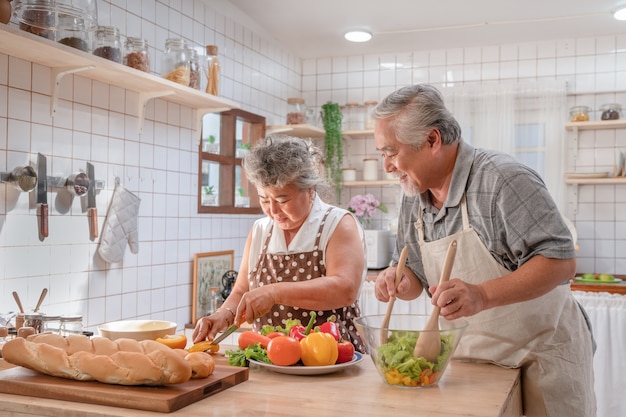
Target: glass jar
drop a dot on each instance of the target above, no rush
(370, 169)
(579, 114)
(369, 120)
(137, 56)
(51, 19)
(176, 62)
(296, 111)
(33, 320)
(71, 325)
(73, 31)
(611, 111)
(212, 70)
(50, 323)
(107, 43)
(194, 69)
(350, 116)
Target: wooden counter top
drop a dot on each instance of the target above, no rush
(619, 288)
(479, 390)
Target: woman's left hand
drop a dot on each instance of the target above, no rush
(257, 302)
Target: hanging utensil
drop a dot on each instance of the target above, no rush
(23, 178)
(428, 343)
(384, 332)
(18, 301)
(92, 211)
(78, 183)
(42, 197)
(41, 297)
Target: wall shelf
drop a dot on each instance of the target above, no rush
(369, 183)
(595, 125)
(596, 181)
(300, 131)
(65, 60)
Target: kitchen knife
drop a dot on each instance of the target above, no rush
(92, 211)
(224, 335)
(42, 196)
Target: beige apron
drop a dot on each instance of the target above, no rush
(535, 335)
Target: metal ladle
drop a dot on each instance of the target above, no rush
(23, 178)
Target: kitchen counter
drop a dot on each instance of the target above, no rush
(467, 389)
(619, 288)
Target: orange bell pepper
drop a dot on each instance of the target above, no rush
(174, 341)
(319, 349)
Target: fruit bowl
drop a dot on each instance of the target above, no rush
(394, 359)
(137, 329)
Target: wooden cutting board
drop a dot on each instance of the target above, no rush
(165, 399)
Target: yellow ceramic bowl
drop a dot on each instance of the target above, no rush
(137, 329)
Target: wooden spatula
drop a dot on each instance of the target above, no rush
(399, 271)
(428, 343)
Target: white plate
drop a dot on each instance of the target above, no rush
(574, 174)
(309, 370)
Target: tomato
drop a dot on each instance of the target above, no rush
(175, 341)
(284, 351)
(250, 338)
(346, 351)
(204, 346)
(272, 335)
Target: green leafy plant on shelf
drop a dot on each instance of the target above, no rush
(333, 145)
(209, 190)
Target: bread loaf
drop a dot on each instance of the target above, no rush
(122, 361)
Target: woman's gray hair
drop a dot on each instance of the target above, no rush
(278, 161)
(415, 110)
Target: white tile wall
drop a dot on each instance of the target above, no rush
(97, 122)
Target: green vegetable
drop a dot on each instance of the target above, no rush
(289, 323)
(241, 357)
(333, 145)
(397, 354)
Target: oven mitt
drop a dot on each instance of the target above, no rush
(120, 225)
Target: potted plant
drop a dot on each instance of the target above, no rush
(333, 145)
(208, 197)
(241, 200)
(210, 145)
(243, 150)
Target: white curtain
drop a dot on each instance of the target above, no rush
(490, 113)
(607, 313)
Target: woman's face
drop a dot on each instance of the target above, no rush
(287, 206)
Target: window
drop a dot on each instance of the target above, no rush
(222, 184)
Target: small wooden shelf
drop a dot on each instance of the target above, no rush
(65, 60)
(368, 132)
(596, 181)
(369, 183)
(300, 131)
(595, 125)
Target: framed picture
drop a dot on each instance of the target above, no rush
(208, 269)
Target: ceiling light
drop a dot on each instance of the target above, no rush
(358, 36)
(620, 14)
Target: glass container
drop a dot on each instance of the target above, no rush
(212, 70)
(71, 325)
(107, 43)
(194, 69)
(579, 114)
(350, 116)
(136, 54)
(50, 323)
(296, 111)
(611, 111)
(370, 169)
(369, 120)
(57, 19)
(33, 320)
(176, 61)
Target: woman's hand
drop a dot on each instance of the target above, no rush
(208, 326)
(257, 302)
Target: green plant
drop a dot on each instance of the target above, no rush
(245, 146)
(209, 190)
(240, 192)
(211, 139)
(333, 145)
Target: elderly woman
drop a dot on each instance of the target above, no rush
(305, 255)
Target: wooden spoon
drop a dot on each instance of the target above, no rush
(41, 297)
(19, 303)
(399, 271)
(428, 343)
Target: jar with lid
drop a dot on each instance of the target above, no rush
(194, 69)
(579, 114)
(296, 111)
(212, 70)
(370, 169)
(50, 323)
(176, 61)
(71, 325)
(74, 31)
(369, 120)
(107, 43)
(611, 111)
(350, 116)
(49, 19)
(33, 320)
(137, 55)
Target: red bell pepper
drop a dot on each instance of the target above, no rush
(300, 332)
(331, 327)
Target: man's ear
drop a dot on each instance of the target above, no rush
(434, 138)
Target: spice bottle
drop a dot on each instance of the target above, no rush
(176, 61)
(107, 43)
(212, 70)
(194, 69)
(71, 325)
(137, 54)
(296, 111)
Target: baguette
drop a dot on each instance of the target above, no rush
(122, 361)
